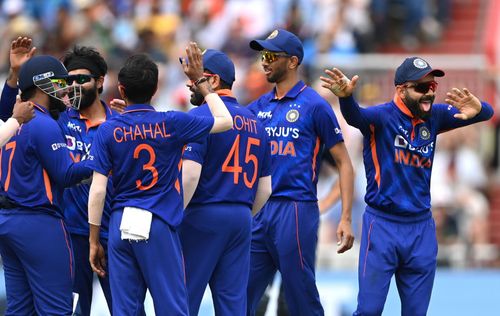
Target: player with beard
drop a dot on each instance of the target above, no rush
(79, 122)
(86, 69)
(226, 178)
(34, 243)
(300, 125)
(399, 236)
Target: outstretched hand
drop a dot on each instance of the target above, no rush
(338, 83)
(464, 101)
(193, 65)
(20, 52)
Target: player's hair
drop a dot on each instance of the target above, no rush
(139, 77)
(86, 57)
(28, 93)
(223, 84)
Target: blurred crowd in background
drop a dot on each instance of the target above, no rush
(333, 29)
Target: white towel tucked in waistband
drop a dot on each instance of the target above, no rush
(136, 223)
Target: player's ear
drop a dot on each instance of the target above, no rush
(293, 62)
(121, 90)
(400, 91)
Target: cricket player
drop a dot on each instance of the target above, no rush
(300, 125)
(399, 234)
(79, 123)
(35, 167)
(226, 178)
(142, 149)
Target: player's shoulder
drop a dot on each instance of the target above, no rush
(312, 98)
(202, 110)
(261, 101)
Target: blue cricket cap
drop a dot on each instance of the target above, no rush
(280, 41)
(218, 63)
(38, 68)
(413, 69)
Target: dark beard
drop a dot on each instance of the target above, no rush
(87, 96)
(277, 76)
(55, 107)
(414, 107)
(197, 98)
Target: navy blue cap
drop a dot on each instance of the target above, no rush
(413, 69)
(218, 63)
(38, 68)
(280, 41)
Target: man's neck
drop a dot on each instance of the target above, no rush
(286, 84)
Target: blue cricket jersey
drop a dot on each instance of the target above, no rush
(300, 126)
(398, 151)
(142, 149)
(36, 167)
(79, 133)
(233, 161)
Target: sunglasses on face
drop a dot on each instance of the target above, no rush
(61, 83)
(424, 87)
(270, 57)
(79, 79)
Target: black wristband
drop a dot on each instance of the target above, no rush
(200, 80)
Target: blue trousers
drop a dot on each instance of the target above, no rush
(38, 263)
(84, 276)
(155, 264)
(407, 250)
(284, 238)
(216, 244)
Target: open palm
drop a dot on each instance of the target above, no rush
(464, 101)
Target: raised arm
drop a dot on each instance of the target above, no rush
(193, 68)
(343, 88)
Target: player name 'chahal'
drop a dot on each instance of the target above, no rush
(140, 131)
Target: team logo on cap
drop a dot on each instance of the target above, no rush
(273, 34)
(420, 63)
(292, 115)
(424, 133)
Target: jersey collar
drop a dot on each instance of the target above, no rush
(40, 108)
(225, 94)
(294, 92)
(403, 108)
(139, 108)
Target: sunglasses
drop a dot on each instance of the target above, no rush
(270, 57)
(424, 87)
(61, 83)
(79, 79)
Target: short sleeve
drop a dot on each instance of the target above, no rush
(326, 125)
(191, 128)
(266, 159)
(196, 151)
(100, 158)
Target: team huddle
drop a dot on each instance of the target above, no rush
(224, 195)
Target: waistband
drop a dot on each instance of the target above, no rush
(401, 218)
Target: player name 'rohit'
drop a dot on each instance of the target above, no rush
(244, 123)
(140, 131)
